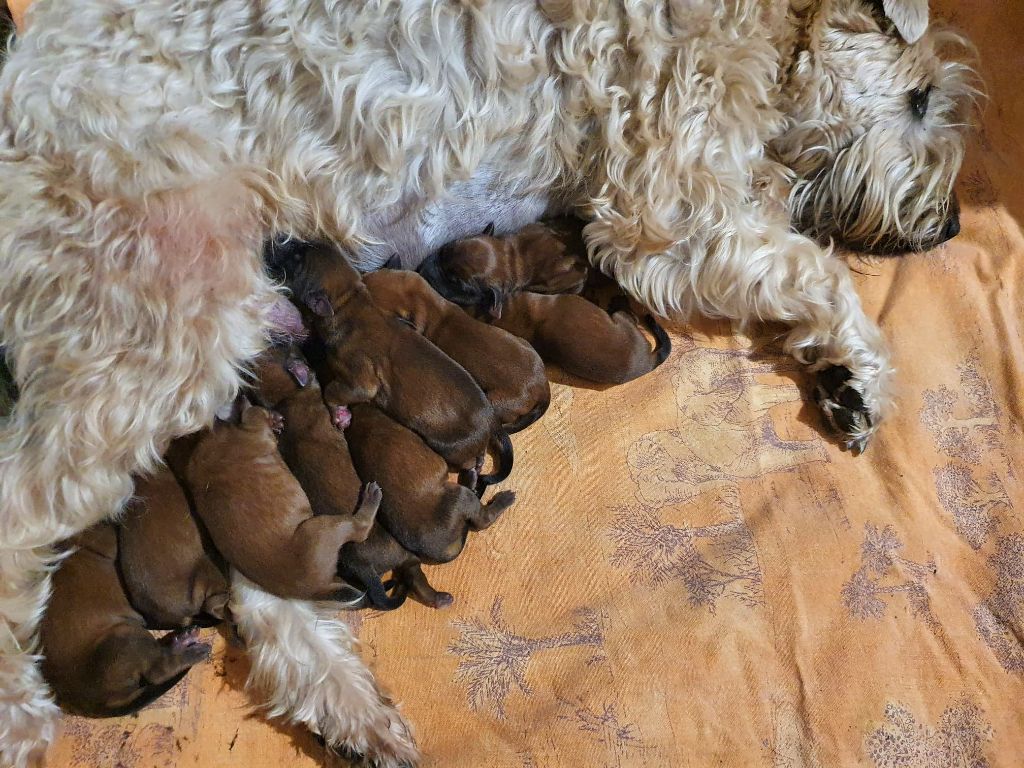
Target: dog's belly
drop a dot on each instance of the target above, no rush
(415, 230)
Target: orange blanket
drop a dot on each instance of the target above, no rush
(694, 576)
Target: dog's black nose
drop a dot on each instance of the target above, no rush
(952, 228)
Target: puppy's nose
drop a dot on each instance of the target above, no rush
(952, 227)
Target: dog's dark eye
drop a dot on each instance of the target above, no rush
(919, 101)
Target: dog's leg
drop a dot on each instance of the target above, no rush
(118, 344)
(29, 718)
(305, 663)
(760, 270)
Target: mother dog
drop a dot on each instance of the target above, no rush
(147, 147)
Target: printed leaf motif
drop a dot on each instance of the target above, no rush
(958, 741)
(1000, 619)
(711, 561)
(865, 594)
(494, 658)
(606, 730)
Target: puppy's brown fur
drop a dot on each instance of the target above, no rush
(168, 574)
(259, 517)
(314, 450)
(581, 338)
(97, 654)
(428, 515)
(365, 562)
(509, 371)
(484, 271)
(373, 357)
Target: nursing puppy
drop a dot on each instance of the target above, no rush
(510, 372)
(364, 564)
(581, 338)
(428, 515)
(548, 257)
(259, 517)
(97, 654)
(314, 450)
(169, 575)
(373, 357)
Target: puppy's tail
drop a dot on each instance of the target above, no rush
(502, 447)
(662, 343)
(376, 595)
(528, 418)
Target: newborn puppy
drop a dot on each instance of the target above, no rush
(364, 564)
(483, 271)
(428, 515)
(374, 357)
(509, 371)
(168, 575)
(97, 655)
(581, 338)
(259, 517)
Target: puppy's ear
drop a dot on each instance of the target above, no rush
(909, 16)
(488, 230)
(299, 371)
(319, 304)
(494, 303)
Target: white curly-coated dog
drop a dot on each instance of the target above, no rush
(147, 148)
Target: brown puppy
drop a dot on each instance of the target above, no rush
(428, 515)
(97, 654)
(374, 357)
(581, 338)
(509, 371)
(483, 271)
(314, 450)
(364, 563)
(259, 517)
(168, 575)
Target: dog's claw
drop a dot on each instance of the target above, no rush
(843, 408)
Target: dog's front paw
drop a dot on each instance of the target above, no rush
(841, 399)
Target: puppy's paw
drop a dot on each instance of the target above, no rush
(443, 600)
(841, 399)
(341, 416)
(366, 512)
(276, 422)
(187, 645)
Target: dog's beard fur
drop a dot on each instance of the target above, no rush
(871, 172)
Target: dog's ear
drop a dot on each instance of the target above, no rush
(318, 303)
(494, 302)
(488, 230)
(909, 16)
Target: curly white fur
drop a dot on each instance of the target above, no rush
(147, 147)
(305, 662)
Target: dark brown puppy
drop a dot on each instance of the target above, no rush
(483, 271)
(364, 563)
(375, 357)
(259, 517)
(428, 515)
(97, 655)
(581, 338)
(168, 574)
(509, 371)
